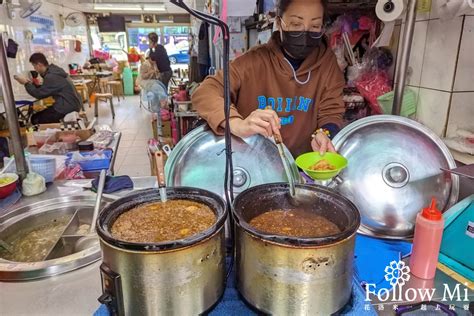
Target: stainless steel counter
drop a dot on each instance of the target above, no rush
(73, 293)
(76, 293)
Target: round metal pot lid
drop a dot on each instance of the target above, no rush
(199, 161)
(394, 172)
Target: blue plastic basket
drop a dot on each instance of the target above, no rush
(95, 164)
(44, 166)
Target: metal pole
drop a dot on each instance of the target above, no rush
(405, 57)
(89, 38)
(12, 115)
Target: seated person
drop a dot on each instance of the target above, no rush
(56, 84)
(155, 90)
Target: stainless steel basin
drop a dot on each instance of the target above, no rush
(61, 256)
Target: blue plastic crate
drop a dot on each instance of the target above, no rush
(93, 165)
(44, 166)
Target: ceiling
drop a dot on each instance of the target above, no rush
(88, 6)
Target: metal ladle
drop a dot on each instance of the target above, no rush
(6, 246)
(160, 174)
(286, 166)
(90, 240)
(284, 160)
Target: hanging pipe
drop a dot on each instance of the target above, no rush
(226, 49)
(404, 58)
(11, 112)
(229, 172)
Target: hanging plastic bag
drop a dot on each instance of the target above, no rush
(372, 85)
(78, 46)
(12, 48)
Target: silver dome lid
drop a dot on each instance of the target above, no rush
(198, 161)
(393, 172)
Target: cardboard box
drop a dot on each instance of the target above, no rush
(88, 125)
(83, 134)
(166, 127)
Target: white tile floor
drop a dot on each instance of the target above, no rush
(135, 124)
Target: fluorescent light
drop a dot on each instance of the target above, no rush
(117, 7)
(154, 7)
(166, 20)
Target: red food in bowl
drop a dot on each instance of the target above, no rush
(9, 188)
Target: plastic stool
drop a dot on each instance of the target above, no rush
(106, 96)
(116, 88)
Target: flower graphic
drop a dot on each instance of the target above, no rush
(397, 273)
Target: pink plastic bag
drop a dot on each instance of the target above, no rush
(372, 85)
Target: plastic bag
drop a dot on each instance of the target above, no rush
(341, 60)
(58, 148)
(95, 155)
(33, 184)
(102, 138)
(73, 171)
(372, 85)
(462, 142)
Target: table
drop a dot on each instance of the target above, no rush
(21, 101)
(81, 81)
(95, 79)
(76, 293)
(181, 116)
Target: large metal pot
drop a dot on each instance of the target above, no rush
(183, 277)
(295, 276)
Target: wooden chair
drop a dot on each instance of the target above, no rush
(116, 88)
(83, 93)
(104, 94)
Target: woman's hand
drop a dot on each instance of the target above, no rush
(322, 143)
(263, 122)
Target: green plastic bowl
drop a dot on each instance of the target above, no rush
(307, 160)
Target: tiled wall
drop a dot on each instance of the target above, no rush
(441, 71)
(60, 51)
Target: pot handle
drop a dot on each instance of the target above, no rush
(335, 182)
(160, 169)
(111, 296)
(167, 149)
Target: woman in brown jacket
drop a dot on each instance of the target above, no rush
(296, 74)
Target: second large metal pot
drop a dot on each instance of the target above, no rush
(295, 276)
(184, 277)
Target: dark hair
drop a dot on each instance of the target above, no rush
(153, 37)
(38, 58)
(282, 6)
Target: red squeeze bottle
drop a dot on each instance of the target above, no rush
(427, 242)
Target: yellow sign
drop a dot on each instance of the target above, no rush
(423, 6)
